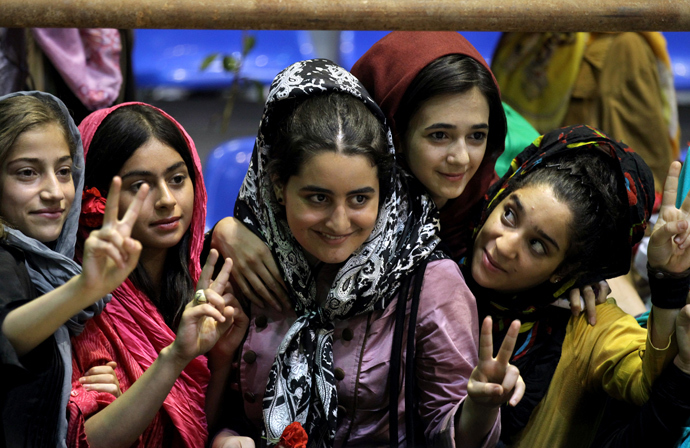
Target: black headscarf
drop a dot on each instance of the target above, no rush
(301, 386)
(538, 348)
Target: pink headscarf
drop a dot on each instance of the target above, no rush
(132, 330)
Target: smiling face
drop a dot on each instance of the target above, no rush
(167, 210)
(332, 205)
(445, 142)
(523, 242)
(36, 186)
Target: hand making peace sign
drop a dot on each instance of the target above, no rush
(203, 324)
(495, 381)
(669, 244)
(110, 254)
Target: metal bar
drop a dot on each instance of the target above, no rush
(469, 15)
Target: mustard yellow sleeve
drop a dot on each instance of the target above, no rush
(617, 356)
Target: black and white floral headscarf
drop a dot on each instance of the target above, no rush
(301, 386)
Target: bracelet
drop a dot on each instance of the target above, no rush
(669, 290)
(661, 274)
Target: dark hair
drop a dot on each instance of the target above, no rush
(454, 73)
(118, 137)
(335, 122)
(22, 113)
(589, 184)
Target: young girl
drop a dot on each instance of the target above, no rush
(45, 295)
(570, 211)
(445, 111)
(162, 375)
(349, 231)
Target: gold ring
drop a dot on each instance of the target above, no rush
(200, 297)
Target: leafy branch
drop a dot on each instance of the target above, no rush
(233, 66)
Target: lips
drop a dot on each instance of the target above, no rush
(167, 223)
(332, 239)
(49, 213)
(491, 264)
(453, 177)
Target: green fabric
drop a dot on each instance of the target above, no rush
(520, 135)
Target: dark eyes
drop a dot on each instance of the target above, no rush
(508, 216)
(27, 173)
(357, 200)
(360, 199)
(438, 135)
(479, 136)
(178, 179)
(536, 245)
(136, 185)
(318, 198)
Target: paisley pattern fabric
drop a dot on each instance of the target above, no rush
(301, 385)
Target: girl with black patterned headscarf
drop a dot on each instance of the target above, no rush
(330, 364)
(567, 214)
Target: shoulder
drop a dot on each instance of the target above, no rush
(612, 322)
(443, 277)
(16, 281)
(10, 256)
(444, 270)
(445, 294)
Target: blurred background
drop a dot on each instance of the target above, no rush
(214, 83)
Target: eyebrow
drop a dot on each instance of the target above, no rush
(144, 173)
(36, 160)
(516, 199)
(315, 189)
(452, 126)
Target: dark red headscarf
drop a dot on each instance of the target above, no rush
(388, 69)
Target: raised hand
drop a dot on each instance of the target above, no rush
(495, 381)
(102, 379)
(202, 324)
(110, 254)
(668, 245)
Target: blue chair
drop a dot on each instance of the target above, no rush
(353, 44)
(678, 44)
(172, 58)
(224, 173)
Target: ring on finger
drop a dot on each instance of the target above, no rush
(200, 297)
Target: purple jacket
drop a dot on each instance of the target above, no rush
(447, 338)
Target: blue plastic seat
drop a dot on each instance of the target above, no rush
(353, 44)
(224, 173)
(678, 44)
(172, 58)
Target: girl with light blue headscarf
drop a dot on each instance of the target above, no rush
(46, 296)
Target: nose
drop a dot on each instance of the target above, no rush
(165, 198)
(458, 154)
(339, 220)
(507, 245)
(52, 190)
